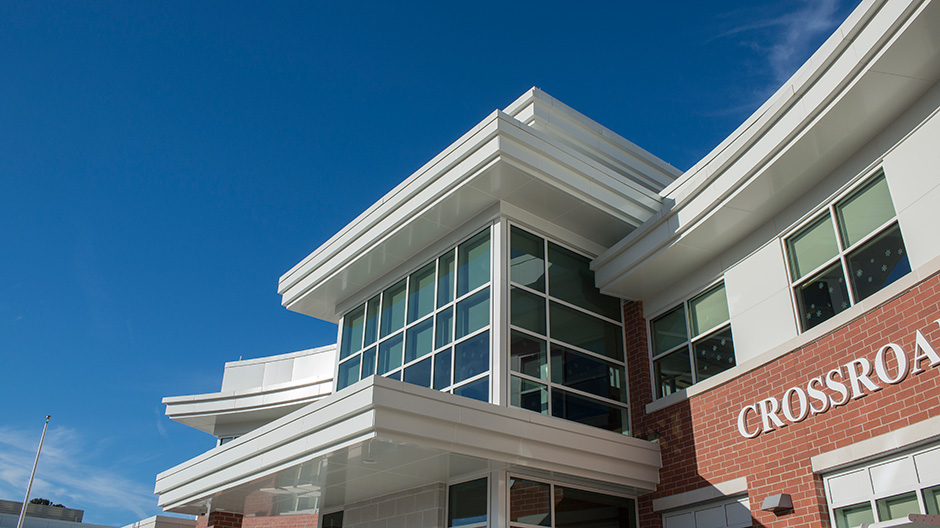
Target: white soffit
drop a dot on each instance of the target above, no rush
(574, 174)
(379, 436)
(885, 56)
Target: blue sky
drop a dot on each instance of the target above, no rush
(163, 163)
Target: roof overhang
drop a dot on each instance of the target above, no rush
(379, 436)
(500, 161)
(883, 58)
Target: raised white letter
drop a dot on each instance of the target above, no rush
(855, 376)
(818, 395)
(881, 365)
(927, 352)
(742, 422)
(837, 386)
(769, 415)
(787, 401)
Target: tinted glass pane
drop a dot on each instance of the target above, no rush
(669, 330)
(473, 313)
(708, 310)
(352, 332)
(932, 500)
(527, 259)
(812, 246)
(421, 293)
(587, 374)
(368, 362)
(332, 520)
(897, 507)
(823, 296)
(477, 390)
(573, 506)
(445, 327)
(419, 373)
(530, 502)
(853, 516)
(864, 211)
(372, 321)
(588, 411)
(348, 373)
(527, 310)
(473, 263)
(466, 503)
(395, 375)
(570, 279)
(878, 263)
(586, 331)
(445, 279)
(672, 373)
(393, 308)
(472, 357)
(713, 354)
(419, 340)
(528, 355)
(390, 353)
(528, 395)
(442, 369)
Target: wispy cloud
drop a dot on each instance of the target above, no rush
(73, 470)
(786, 40)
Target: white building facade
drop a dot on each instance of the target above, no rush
(547, 325)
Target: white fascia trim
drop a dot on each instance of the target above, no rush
(381, 408)
(498, 136)
(537, 95)
(710, 492)
(279, 357)
(456, 152)
(905, 437)
(746, 141)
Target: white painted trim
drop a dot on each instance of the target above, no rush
(406, 414)
(880, 445)
(711, 492)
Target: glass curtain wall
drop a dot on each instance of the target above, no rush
(430, 328)
(566, 338)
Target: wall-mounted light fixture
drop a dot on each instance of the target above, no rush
(778, 503)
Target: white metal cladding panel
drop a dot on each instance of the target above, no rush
(887, 477)
(928, 465)
(850, 488)
(734, 513)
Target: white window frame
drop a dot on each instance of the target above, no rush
(546, 295)
(690, 340)
(829, 207)
(492, 228)
(915, 481)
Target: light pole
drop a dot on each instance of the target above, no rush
(19, 523)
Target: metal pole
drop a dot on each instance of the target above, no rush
(19, 523)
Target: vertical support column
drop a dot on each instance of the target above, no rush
(499, 318)
(498, 513)
(224, 519)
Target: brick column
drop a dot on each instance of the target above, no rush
(224, 519)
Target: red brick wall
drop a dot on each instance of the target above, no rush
(699, 437)
(282, 521)
(224, 519)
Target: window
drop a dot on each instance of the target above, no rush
(691, 342)
(886, 490)
(566, 338)
(430, 328)
(533, 503)
(332, 520)
(467, 504)
(847, 253)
